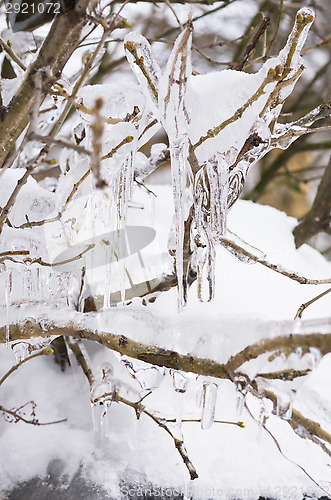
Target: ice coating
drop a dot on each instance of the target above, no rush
(218, 125)
(209, 396)
(143, 64)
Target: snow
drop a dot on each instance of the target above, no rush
(231, 461)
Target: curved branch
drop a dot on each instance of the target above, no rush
(171, 359)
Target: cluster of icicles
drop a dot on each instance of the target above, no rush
(150, 379)
(208, 120)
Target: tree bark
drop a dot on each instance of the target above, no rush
(61, 41)
(318, 219)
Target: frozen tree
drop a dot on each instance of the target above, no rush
(56, 234)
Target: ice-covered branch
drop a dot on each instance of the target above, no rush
(272, 76)
(286, 342)
(297, 419)
(138, 407)
(238, 250)
(283, 343)
(20, 183)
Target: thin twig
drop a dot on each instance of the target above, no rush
(41, 262)
(198, 420)
(87, 68)
(281, 6)
(137, 406)
(283, 454)
(307, 304)
(17, 417)
(111, 153)
(46, 352)
(12, 54)
(179, 445)
(258, 33)
(274, 267)
(64, 143)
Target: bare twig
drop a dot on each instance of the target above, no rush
(46, 352)
(198, 420)
(258, 33)
(97, 128)
(137, 406)
(274, 267)
(281, 5)
(307, 304)
(14, 413)
(41, 262)
(283, 454)
(160, 422)
(12, 54)
(64, 143)
(111, 153)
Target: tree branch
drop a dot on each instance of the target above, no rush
(159, 356)
(61, 41)
(318, 218)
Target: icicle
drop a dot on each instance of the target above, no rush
(21, 351)
(178, 154)
(241, 387)
(175, 120)
(150, 378)
(205, 260)
(125, 187)
(316, 357)
(27, 284)
(262, 419)
(107, 286)
(102, 394)
(298, 352)
(284, 405)
(218, 176)
(198, 396)
(8, 295)
(209, 397)
(180, 382)
(202, 241)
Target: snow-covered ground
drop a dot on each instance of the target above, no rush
(232, 462)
